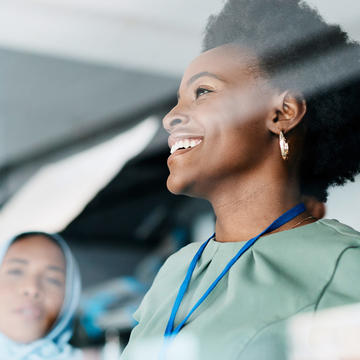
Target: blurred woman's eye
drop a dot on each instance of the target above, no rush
(54, 281)
(15, 272)
(201, 91)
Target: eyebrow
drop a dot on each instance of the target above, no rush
(201, 74)
(18, 260)
(56, 268)
(197, 76)
(26, 262)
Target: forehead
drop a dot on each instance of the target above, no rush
(38, 249)
(228, 62)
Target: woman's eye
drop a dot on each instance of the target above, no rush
(201, 91)
(54, 281)
(15, 272)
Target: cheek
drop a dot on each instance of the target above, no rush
(241, 129)
(8, 294)
(8, 300)
(236, 106)
(53, 303)
(236, 140)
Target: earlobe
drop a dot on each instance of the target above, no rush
(289, 110)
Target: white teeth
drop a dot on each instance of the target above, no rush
(185, 143)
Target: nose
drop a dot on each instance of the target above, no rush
(31, 287)
(173, 120)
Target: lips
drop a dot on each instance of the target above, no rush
(30, 311)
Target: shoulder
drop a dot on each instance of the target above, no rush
(340, 230)
(306, 250)
(339, 238)
(342, 244)
(343, 286)
(328, 235)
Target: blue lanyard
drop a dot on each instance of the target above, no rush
(170, 331)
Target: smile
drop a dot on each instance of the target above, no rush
(184, 144)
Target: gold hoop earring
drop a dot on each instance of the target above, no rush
(284, 146)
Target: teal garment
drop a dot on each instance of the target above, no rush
(305, 269)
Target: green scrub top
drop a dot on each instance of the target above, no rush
(305, 269)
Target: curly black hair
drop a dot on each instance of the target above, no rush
(298, 50)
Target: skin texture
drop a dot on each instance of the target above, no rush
(237, 166)
(32, 288)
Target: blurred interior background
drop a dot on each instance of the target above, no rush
(84, 86)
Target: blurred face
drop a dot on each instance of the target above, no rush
(218, 130)
(32, 288)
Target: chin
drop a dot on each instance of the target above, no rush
(178, 187)
(24, 338)
(174, 186)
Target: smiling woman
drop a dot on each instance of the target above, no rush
(40, 290)
(266, 114)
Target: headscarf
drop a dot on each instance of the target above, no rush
(55, 344)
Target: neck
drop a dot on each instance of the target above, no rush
(251, 206)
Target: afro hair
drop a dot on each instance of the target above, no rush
(298, 50)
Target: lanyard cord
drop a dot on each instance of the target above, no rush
(170, 331)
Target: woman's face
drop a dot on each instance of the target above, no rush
(32, 288)
(221, 114)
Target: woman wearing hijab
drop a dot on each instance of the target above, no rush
(269, 109)
(40, 290)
